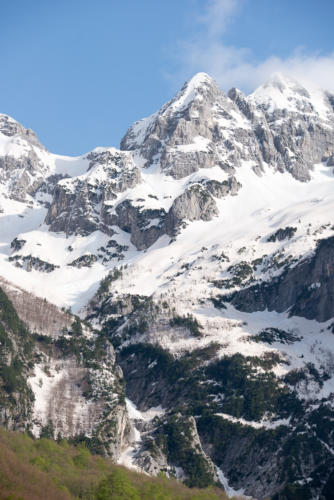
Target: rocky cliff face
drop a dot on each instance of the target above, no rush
(21, 168)
(81, 204)
(11, 128)
(194, 130)
(65, 384)
(300, 124)
(305, 289)
(281, 124)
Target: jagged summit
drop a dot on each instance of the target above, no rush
(195, 97)
(282, 81)
(200, 87)
(199, 79)
(11, 128)
(282, 92)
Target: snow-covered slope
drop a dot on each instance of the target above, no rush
(205, 227)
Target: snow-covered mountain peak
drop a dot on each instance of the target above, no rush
(11, 128)
(282, 92)
(282, 81)
(198, 96)
(200, 79)
(200, 87)
(212, 233)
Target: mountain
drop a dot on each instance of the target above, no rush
(198, 261)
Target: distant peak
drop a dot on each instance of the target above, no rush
(7, 119)
(199, 83)
(200, 79)
(199, 87)
(279, 88)
(10, 127)
(282, 81)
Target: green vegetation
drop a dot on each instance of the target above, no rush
(180, 450)
(134, 315)
(282, 234)
(242, 273)
(33, 263)
(176, 370)
(106, 282)
(76, 326)
(9, 316)
(16, 358)
(294, 492)
(189, 322)
(270, 335)
(86, 260)
(247, 393)
(35, 469)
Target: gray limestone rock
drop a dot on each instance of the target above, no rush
(296, 130)
(222, 189)
(145, 225)
(82, 204)
(305, 289)
(11, 128)
(196, 203)
(330, 161)
(22, 176)
(199, 128)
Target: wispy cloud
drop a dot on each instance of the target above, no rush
(217, 16)
(238, 67)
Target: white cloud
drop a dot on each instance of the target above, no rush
(217, 16)
(236, 67)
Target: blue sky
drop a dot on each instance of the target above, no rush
(80, 72)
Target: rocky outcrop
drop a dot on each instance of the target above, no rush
(282, 234)
(222, 189)
(11, 128)
(22, 175)
(300, 123)
(145, 225)
(81, 204)
(305, 289)
(330, 160)
(22, 171)
(195, 203)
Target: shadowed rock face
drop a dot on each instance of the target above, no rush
(305, 290)
(146, 226)
(81, 206)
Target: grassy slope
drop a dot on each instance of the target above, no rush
(36, 469)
